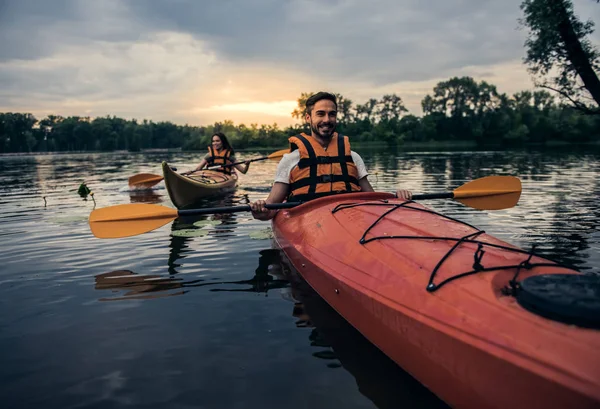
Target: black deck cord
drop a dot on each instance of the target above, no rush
(513, 285)
(385, 202)
(431, 286)
(484, 270)
(362, 239)
(477, 267)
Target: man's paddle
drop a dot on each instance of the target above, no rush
(132, 219)
(488, 193)
(148, 180)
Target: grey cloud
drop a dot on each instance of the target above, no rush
(382, 41)
(376, 43)
(23, 26)
(33, 29)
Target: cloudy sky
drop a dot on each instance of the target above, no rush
(201, 61)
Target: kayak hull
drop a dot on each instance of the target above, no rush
(185, 191)
(466, 342)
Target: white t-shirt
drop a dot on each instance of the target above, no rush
(290, 160)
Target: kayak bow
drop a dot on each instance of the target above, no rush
(449, 303)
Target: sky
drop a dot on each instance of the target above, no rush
(201, 61)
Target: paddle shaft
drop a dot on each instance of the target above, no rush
(237, 163)
(234, 209)
(287, 205)
(447, 195)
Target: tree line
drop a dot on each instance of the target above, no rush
(459, 109)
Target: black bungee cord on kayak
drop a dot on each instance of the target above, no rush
(569, 298)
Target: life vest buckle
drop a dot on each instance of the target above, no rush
(327, 178)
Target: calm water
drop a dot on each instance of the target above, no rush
(215, 321)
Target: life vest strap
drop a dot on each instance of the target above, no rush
(343, 165)
(323, 179)
(323, 160)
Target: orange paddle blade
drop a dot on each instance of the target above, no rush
(490, 192)
(144, 180)
(129, 219)
(278, 154)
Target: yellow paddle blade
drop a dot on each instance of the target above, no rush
(144, 180)
(490, 192)
(278, 154)
(129, 219)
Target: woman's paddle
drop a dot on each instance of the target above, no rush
(488, 193)
(274, 155)
(147, 180)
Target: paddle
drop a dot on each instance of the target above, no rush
(488, 193)
(148, 179)
(132, 219)
(274, 155)
(144, 180)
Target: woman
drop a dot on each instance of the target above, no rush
(221, 153)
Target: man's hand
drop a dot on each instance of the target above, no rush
(260, 212)
(403, 194)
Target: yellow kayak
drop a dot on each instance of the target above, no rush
(186, 191)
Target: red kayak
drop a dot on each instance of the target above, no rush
(478, 321)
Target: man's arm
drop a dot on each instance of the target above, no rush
(365, 185)
(280, 190)
(363, 182)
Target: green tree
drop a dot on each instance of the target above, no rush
(558, 42)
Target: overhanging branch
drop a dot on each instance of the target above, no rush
(578, 105)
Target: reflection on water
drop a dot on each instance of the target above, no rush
(335, 341)
(338, 344)
(218, 319)
(126, 284)
(145, 196)
(136, 286)
(341, 345)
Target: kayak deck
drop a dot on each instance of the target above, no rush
(434, 294)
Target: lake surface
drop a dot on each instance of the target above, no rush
(214, 321)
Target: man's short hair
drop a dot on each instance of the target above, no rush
(312, 100)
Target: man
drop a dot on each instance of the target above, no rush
(319, 164)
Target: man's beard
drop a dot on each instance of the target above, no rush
(326, 134)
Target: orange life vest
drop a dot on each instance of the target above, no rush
(322, 172)
(219, 158)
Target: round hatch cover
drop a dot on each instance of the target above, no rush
(569, 298)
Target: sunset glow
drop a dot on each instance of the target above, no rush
(163, 63)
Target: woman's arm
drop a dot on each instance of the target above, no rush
(201, 165)
(242, 168)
